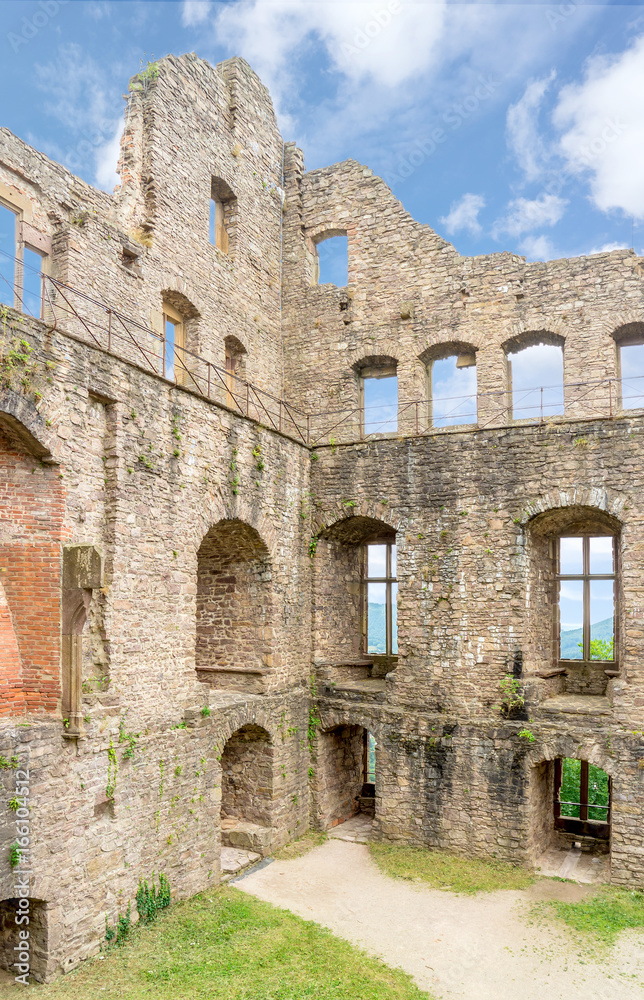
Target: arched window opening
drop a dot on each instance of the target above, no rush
(380, 595)
(247, 790)
(379, 396)
(223, 212)
(572, 641)
(536, 381)
(452, 389)
(630, 364)
(331, 264)
(344, 783)
(234, 609)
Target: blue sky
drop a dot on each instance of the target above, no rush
(503, 126)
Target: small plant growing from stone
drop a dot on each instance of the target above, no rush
(14, 804)
(205, 711)
(15, 854)
(512, 700)
(525, 734)
(119, 934)
(149, 899)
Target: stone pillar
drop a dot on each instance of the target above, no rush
(82, 573)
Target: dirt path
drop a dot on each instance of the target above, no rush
(456, 947)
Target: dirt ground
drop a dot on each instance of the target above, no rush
(481, 947)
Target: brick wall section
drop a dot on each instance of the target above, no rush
(31, 526)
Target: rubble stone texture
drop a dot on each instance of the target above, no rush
(224, 690)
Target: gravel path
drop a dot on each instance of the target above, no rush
(455, 947)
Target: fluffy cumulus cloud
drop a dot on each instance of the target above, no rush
(78, 95)
(194, 12)
(388, 41)
(464, 215)
(524, 215)
(523, 134)
(539, 248)
(602, 124)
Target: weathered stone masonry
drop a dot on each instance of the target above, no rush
(181, 654)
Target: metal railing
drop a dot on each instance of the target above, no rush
(80, 315)
(124, 337)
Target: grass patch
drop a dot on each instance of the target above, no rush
(229, 946)
(601, 918)
(302, 846)
(449, 871)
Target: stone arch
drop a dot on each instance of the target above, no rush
(594, 498)
(386, 357)
(247, 772)
(339, 610)
(445, 349)
(540, 772)
(341, 786)
(234, 608)
(629, 333)
(541, 652)
(24, 427)
(238, 509)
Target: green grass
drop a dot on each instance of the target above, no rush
(449, 871)
(302, 846)
(229, 946)
(601, 918)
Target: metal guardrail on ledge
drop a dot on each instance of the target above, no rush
(75, 313)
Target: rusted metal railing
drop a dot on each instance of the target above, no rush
(79, 315)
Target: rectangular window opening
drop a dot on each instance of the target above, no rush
(174, 356)
(218, 233)
(9, 251)
(380, 401)
(631, 366)
(586, 580)
(453, 391)
(381, 593)
(536, 378)
(582, 795)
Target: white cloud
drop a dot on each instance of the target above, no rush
(603, 119)
(388, 41)
(524, 215)
(106, 160)
(539, 248)
(607, 247)
(194, 12)
(523, 134)
(77, 94)
(464, 214)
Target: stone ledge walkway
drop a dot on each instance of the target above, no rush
(456, 947)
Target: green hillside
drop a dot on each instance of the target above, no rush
(570, 640)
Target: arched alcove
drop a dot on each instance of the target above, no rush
(234, 608)
(355, 599)
(247, 790)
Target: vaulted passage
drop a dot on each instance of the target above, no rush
(344, 776)
(233, 646)
(247, 790)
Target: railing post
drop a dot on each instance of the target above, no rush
(208, 364)
(610, 397)
(280, 415)
(247, 399)
(308, 428)
(541, 418)
(109, 331)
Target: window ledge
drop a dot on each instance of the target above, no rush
(577, 704)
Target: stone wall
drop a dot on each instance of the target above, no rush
(231, 553)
